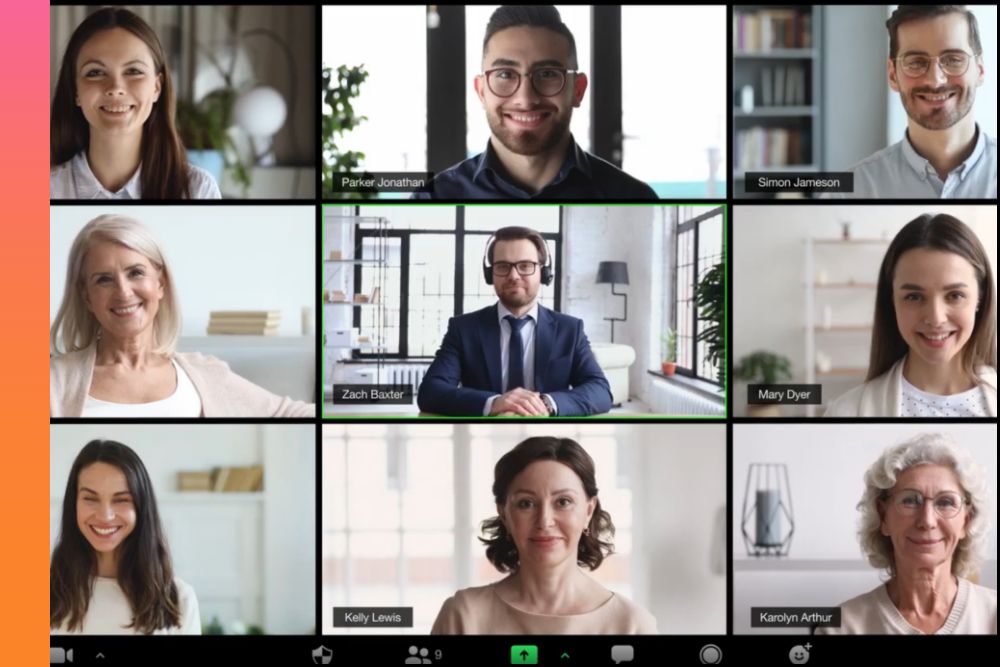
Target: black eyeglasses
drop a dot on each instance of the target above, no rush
(547, 81)
(523, 268)
(952, 63)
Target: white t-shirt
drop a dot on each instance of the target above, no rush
(75, 180)
(109, 612)
(916, 402)
(184, 402)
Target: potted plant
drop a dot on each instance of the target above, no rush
(204, 129)
(669, 364)
(762, 367)
(709, 297)
(340, 87)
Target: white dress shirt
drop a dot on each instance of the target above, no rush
(527, 334)
(75, 180)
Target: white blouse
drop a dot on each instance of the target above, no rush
(184, 402)
(109, 612)
(75, 180)
(916, 402)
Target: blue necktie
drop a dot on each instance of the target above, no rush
(515, 353)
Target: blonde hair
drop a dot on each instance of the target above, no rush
(75, 327)
(925, 449)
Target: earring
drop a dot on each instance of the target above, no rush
(586, 531)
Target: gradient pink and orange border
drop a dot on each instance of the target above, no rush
(24, 547)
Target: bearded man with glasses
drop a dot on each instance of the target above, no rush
(515, 358)
(529, 85)
(935, 64)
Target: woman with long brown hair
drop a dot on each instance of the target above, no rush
(111, 570)
(934, 338)
(112, 133)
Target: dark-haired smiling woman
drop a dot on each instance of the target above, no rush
(934, 339)
(111, 571)
(549, 523)
(112, 126)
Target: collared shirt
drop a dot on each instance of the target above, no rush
(582, 176)
(899, 172)
(527, 334)
(75, 180)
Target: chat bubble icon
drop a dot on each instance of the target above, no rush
(622, 653)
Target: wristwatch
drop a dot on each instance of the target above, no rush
(550, 404)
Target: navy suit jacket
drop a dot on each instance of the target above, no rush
(466, 370)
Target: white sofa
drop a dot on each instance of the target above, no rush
(615, 361)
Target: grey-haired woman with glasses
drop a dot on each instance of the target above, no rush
(925, 522)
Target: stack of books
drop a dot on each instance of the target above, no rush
(238, 479)
(244, 322)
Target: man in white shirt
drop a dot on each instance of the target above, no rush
(936, 65)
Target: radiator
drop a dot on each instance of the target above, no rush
(672, 399)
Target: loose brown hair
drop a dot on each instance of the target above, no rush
(594, 546)
(145, 573)
(906, 13)
(165, 170)
(949, 234)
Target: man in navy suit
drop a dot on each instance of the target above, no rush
(516, 357)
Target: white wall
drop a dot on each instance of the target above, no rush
(768, 300)
(240, 552)
(631, 234)
(222, 258)
(681, 501)
(826, 464)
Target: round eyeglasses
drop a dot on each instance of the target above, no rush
(547, 81)
(525, 268)
(946, 504)
(952, 63)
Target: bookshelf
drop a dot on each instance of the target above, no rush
(777, 76)
(827, 338)
(352, 326)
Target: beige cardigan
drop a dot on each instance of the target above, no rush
(882, 396)
(480, 611)
(223, 393)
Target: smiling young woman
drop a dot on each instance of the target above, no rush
(112, 133)
(934, 338)
(111, 570)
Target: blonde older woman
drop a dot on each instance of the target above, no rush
(924, 521)
(114, 339)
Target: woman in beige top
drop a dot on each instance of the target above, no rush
(923, 521)
(549, 523)
(115, 336)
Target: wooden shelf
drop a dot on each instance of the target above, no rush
(776, 54)
(354, 261)
(851, 241)
(842, 328)
(776, 112)
(845, 285)
(349, 303)
(842, 372)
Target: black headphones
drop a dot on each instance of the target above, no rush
(488, 268)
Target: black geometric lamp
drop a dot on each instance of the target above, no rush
(767, 510)
(615, 273)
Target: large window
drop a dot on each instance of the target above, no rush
(700, 233)
(433, 269)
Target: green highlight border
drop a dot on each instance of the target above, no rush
(378, 418)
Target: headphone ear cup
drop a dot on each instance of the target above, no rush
(546, 275)
(488, 274)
